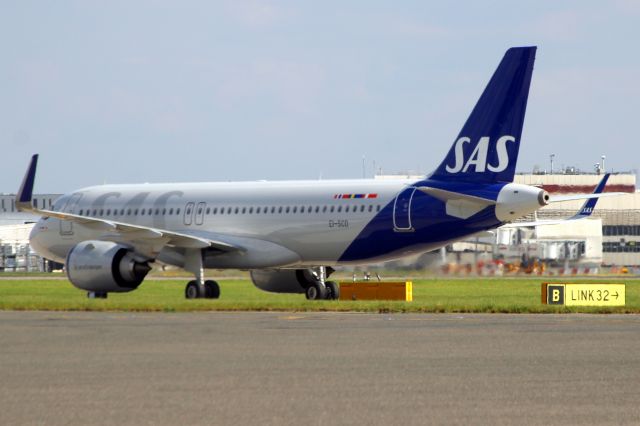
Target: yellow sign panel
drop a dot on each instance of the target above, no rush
(594, 295)
(570, 294)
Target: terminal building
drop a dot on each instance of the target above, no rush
(15, 226)
(619, 215)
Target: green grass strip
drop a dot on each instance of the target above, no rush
(465, 295)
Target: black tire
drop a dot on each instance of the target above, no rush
(333, 290)
(211, 289)
(192, 290)
(316, 291)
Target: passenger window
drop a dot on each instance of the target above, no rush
(362, 208)
(215, 210)
(164, 212)
(370, 207)
(157, 211)
(287, 210)
(171, 210)
(339, 209)
(101, 212)
(200, 210)
(378, 207)
(81, 212)
(280, 209)
(295, 208)
(332, 208)
(236, 210)
(95, 212)
(177, 211)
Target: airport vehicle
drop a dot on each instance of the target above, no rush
(291, 234)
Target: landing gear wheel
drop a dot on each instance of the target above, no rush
(192, 291)
(333, 290)
(211, 289)
(316, 291)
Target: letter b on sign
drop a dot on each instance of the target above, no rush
(555, 295)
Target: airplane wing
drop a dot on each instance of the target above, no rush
(584, 211)
(115, 230)
(458, 205)
(561, 198)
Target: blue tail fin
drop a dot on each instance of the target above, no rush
(486, 149)
(590, 204)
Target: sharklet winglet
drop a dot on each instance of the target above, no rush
(25, 194)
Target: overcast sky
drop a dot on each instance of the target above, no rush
(158, 91)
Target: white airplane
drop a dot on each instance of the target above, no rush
(290, 234)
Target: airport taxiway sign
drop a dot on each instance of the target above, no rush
(580, 294)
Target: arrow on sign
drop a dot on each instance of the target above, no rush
(616, 295)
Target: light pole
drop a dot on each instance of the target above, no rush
(551, 157)
(603, 169)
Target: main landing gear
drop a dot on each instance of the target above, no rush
(321, 289)
(193, 290)
(198, 288)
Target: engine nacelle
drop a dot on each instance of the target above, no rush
(103, 266)
(283, 280)
(516, 200)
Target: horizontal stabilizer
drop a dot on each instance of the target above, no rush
(561, 198)
(585, 211)
(536, 223)
(458, 205)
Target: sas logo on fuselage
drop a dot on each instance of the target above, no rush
(478, 158)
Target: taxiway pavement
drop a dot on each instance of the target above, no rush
(318, 368)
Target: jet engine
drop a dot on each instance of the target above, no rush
(284, 280)
(103, 267)
(516, 200)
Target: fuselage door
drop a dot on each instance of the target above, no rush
(200, 213)
(66, 226)
(188, 213)
(402, 211)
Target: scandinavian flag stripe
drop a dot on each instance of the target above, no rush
(350, 196)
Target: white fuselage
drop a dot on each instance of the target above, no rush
(313, 219)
